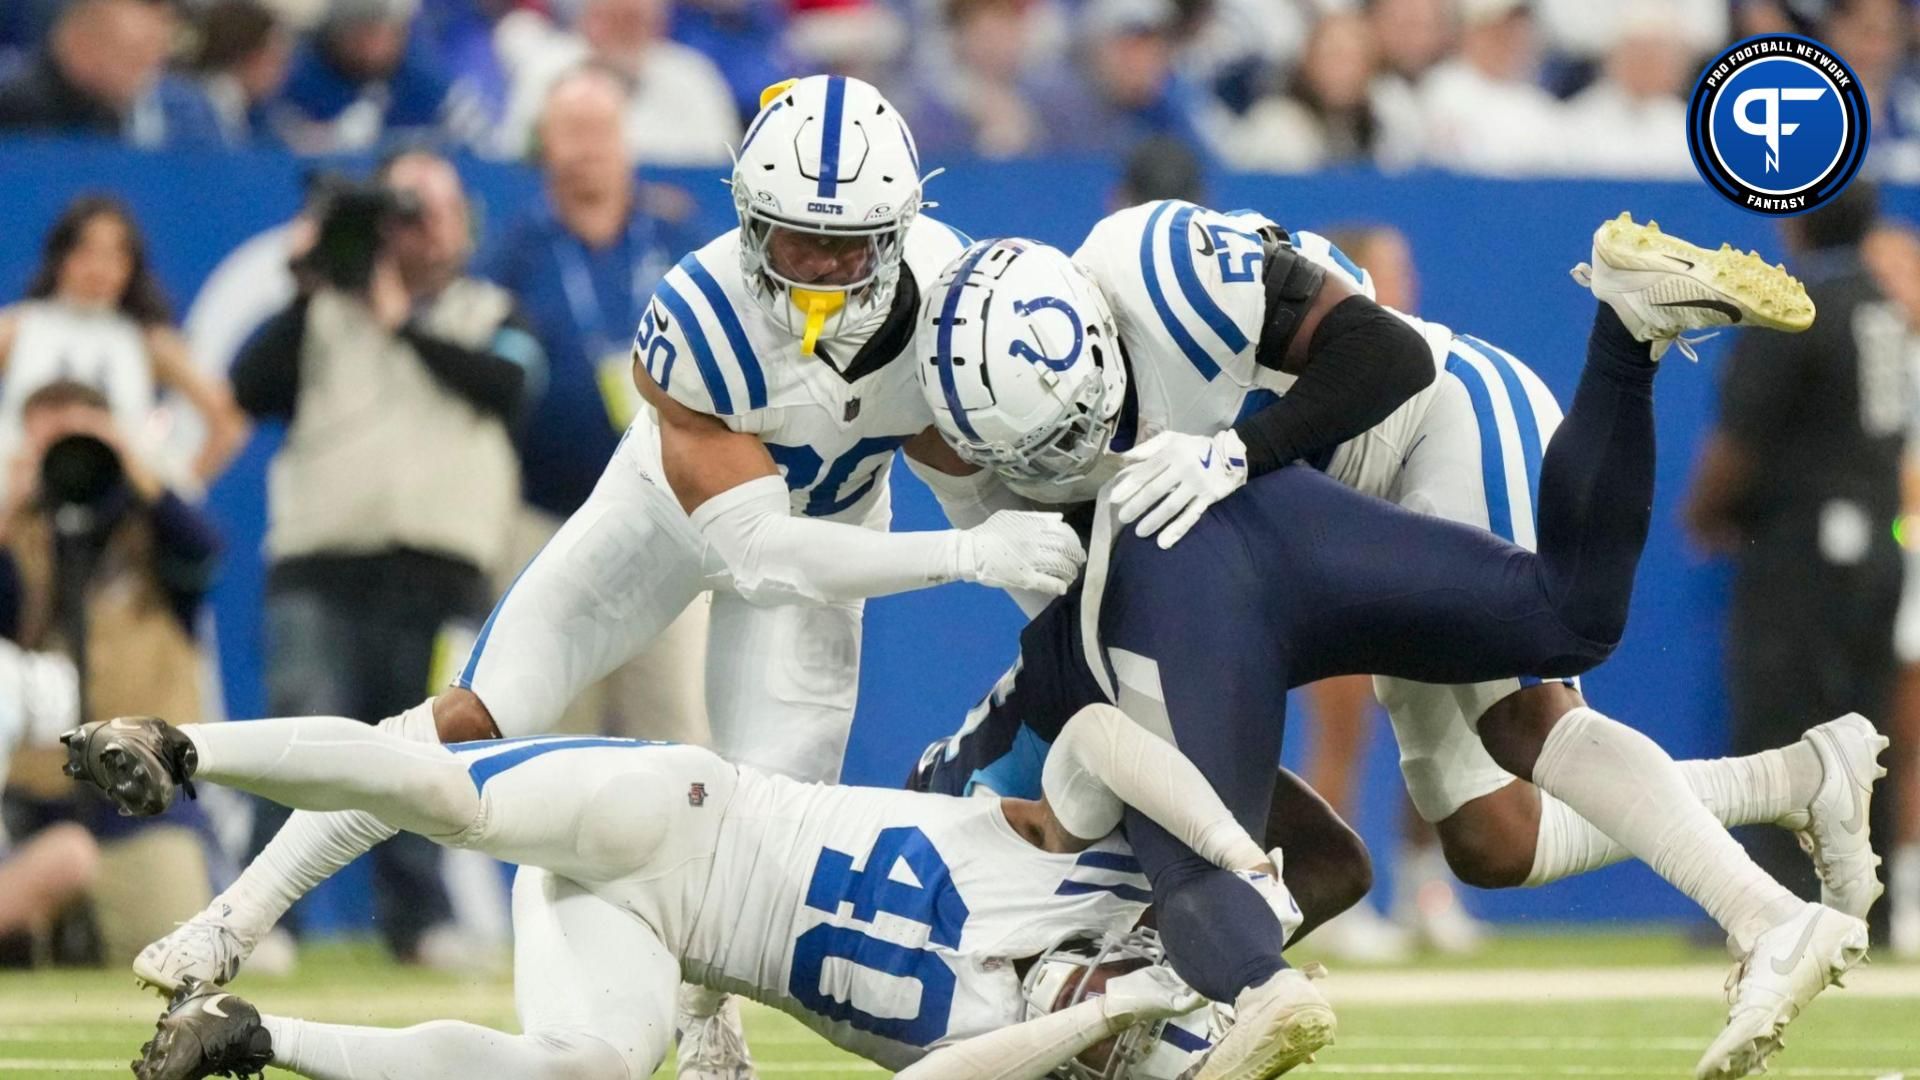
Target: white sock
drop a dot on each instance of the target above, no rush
(1629, 788)
(442, 1050)
(1759, 789)
(310, 848)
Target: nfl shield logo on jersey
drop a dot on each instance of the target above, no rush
(696, 794)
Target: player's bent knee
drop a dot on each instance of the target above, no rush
(1488, 844)
(460, 716)
(624, 823)
(1515, 728)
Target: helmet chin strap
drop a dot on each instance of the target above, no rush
(819, 307)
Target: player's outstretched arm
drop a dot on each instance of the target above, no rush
(1103, 762)
(734, 495)
(968, 495)
(1033, 1049)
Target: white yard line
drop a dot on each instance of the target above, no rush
(1555, 985)
(1337, 1069)
(115, 1065)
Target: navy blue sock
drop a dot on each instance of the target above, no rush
(1219, 932)
(1596, 484)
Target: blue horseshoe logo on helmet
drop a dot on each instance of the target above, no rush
(1034, 356)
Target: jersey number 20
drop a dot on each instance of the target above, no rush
(930, 901)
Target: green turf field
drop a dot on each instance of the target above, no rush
(1627, 1007)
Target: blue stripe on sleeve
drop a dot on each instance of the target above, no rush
(1109, 860)
(1190, 285)
(1191, 348)
(465, 681)
(1523, 414)
(1124, 892)
(1493, 461)
(697, 341)
(830, 137)
(730, 324)
(1345, 263)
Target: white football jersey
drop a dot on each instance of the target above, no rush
(832, 420)
(1185, 285)
(889, 921)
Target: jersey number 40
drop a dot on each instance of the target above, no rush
(929, 900)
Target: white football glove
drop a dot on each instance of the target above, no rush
(1151, 993)
(1022, 549)
(1173, 478)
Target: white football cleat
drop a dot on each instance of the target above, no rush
(205, 948)
(1277, 1027)
(1661, 286)
(1787, 966)
(1833, 829)
(712, 1042)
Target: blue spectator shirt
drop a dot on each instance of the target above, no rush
(584, 304)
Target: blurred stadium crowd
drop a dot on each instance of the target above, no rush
(1500, 87)
(512, 391)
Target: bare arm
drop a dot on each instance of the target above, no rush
(227, 427)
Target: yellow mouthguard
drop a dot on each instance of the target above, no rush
(818, 306)
(774, 91)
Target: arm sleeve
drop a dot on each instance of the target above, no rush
(492, 379)
(1362, 363)
(1103, 762)
(776, 558)
(969, 500)
(266, 374)
(1025, 1051)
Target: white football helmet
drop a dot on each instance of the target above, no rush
(1019, 358)
(1152, 1050)
(828, 158)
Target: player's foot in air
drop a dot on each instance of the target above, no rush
(139, 761)
(205, 1032)
(1788, 965)
(204, 948)
(1661, 286)
(1277, 1027)
(712, 1043)
(1833, 828)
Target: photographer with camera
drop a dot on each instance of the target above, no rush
(398, 379)
(103, 562)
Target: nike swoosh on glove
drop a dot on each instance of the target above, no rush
(1171, 479)
(1022, 549)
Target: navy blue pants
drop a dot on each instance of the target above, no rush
(1294, 579)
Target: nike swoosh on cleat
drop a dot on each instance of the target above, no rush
(1681, 261)
(1859, 819)
(213, 1003)
(1799, 948)
(1721, 306)
(1208, 460)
